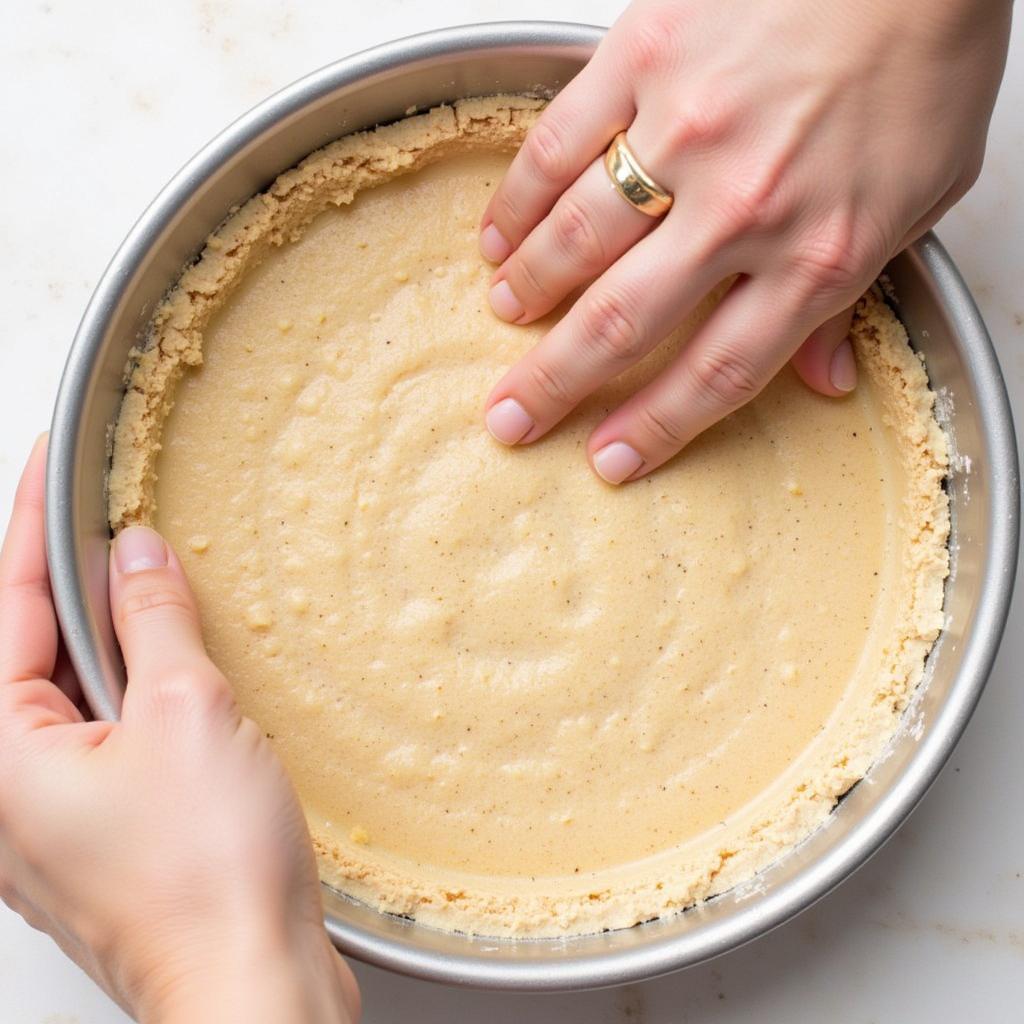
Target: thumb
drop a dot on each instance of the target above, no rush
(157, 625)
(825, 360)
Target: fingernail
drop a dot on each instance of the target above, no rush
(508, 421)
(505, 303)
(494, 246)
(842, 371)
(139, 548)
(617, 461)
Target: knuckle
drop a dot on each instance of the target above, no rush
(507, 213)
(546, 153)
(575, 235)
(183, 694)
(149, 599)
(661, 424)
(827, 259)
(702, 122)
(650, 44)
(551, 384)
(25, 697)
(610, 323)
(724, 378)
(529, 277)
(752, 202)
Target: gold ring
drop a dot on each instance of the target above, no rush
(633, 183)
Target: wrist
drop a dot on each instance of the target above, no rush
(273, 976)
(954, 19)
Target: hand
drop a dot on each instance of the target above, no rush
(805, 143)
(166, 854)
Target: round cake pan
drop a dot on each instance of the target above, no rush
(927, 293)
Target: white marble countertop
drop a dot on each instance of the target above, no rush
(102, 103)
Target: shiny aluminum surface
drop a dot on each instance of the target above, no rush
(377, 86)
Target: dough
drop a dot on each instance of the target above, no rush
(515, 700)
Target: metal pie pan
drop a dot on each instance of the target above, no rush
(379, 86)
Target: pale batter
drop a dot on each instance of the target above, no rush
(515, 700)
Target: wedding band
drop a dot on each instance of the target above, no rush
(633, 183)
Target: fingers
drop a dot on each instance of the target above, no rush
(589, 228)
(66, 680)
(825, 360)
(735, 354)
(571, 132)
(616, 322)
(157, 625)
(28, 626)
